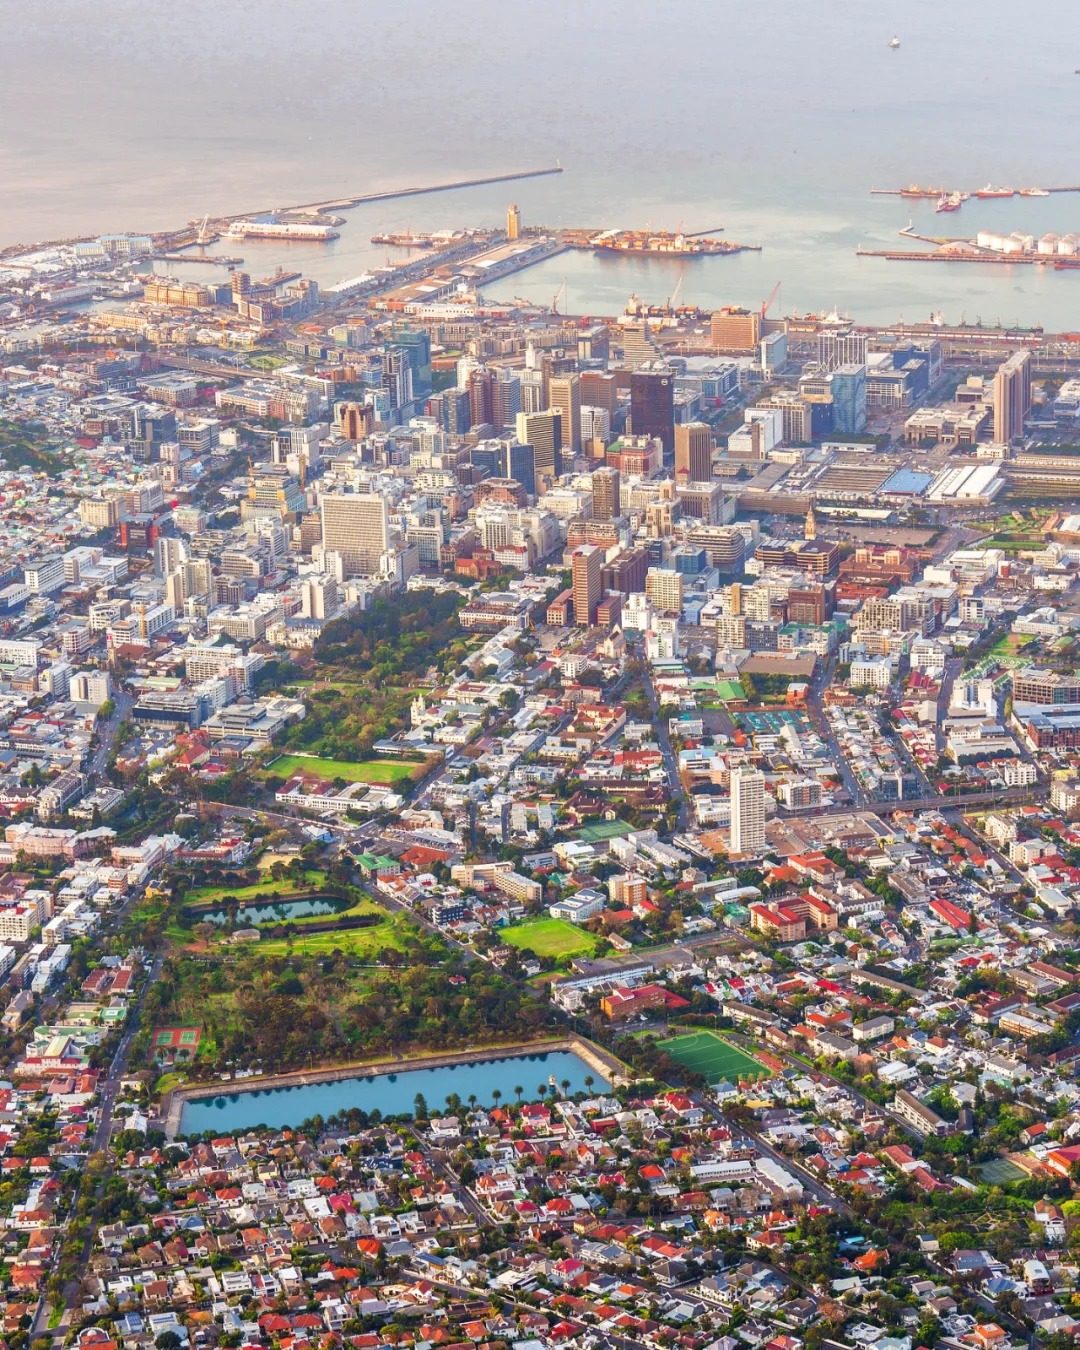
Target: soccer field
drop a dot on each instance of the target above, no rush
(705, 1053)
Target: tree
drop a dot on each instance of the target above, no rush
(589, 1080)
(519, 1090)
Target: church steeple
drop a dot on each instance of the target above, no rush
(810, 531)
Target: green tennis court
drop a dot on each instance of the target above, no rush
(705, 1053)
(1000, 1172)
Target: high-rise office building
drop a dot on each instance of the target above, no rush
(693, 452)
(848, 387)
(606, 486)
(595, 426)
(543, 431)
(599, 390)
(840, 346)
(747, 810)
(513, 222)
(417, 345)
(520, 465)
(452, 409)
(626, 573)
(505, 399)
(397, 378)
(355, 524)
(652, 404)
(564, 393)
(480, 396)
(1012, 397)
(586, 565)
(354, 421)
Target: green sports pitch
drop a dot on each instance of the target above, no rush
(715, 1059)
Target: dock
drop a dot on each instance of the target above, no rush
(948, 255)
(214, 260)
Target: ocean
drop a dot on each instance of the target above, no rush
(771, 119)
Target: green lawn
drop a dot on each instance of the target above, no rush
(268, 888)
(352, 941)
(353, 771)
(706, 1053)
(551, 937)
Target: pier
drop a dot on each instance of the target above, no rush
(214, 260)
(347, 203)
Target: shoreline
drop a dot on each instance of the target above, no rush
(612, 1070)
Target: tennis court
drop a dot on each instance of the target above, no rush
(1000, 1171)
(715, 1059)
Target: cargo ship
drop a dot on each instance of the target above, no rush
(989, 191)
(913, 190)
(634, 243)
(1034, 192)
(951, 201)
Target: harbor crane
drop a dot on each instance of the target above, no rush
(766, 305)
(201, 238)
(675, 294)
(560, 294)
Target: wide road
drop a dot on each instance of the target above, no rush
(107, 733)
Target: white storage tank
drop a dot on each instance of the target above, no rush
(1069, 243)
(1048, 244)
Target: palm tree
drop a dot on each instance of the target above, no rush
(541, 1089)
(589, 1080)
(565, 1086)
(519, 1090)
(496, 1095)
(472, 1101)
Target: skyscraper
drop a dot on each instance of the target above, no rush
(480, 396)
(586, 564)
(652, 404)
(543, 431)
(513, 222)
(606, 485)
(1012, 397)
(598, 390)
(564, 392)
(355, 524)
(521, 466)
(848, 386)
(693, 452)
(747, 810)
(505, 399)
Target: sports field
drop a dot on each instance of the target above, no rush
(550, 937)
(603, 830)
(353, 771)
(705, 1053)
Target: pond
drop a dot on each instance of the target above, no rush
(276, 911)
(391, 1093)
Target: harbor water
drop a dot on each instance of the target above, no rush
(771, 120)
(391, 1093)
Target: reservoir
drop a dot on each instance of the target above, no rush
(392, 1093)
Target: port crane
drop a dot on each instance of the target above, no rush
(675, 294)
(766, 305)
(201, 238)
(560, 294)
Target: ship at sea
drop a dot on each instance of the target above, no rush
(1034, 192)
(914, 190)
(989, 191)
(661, 244)
(951, 201)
